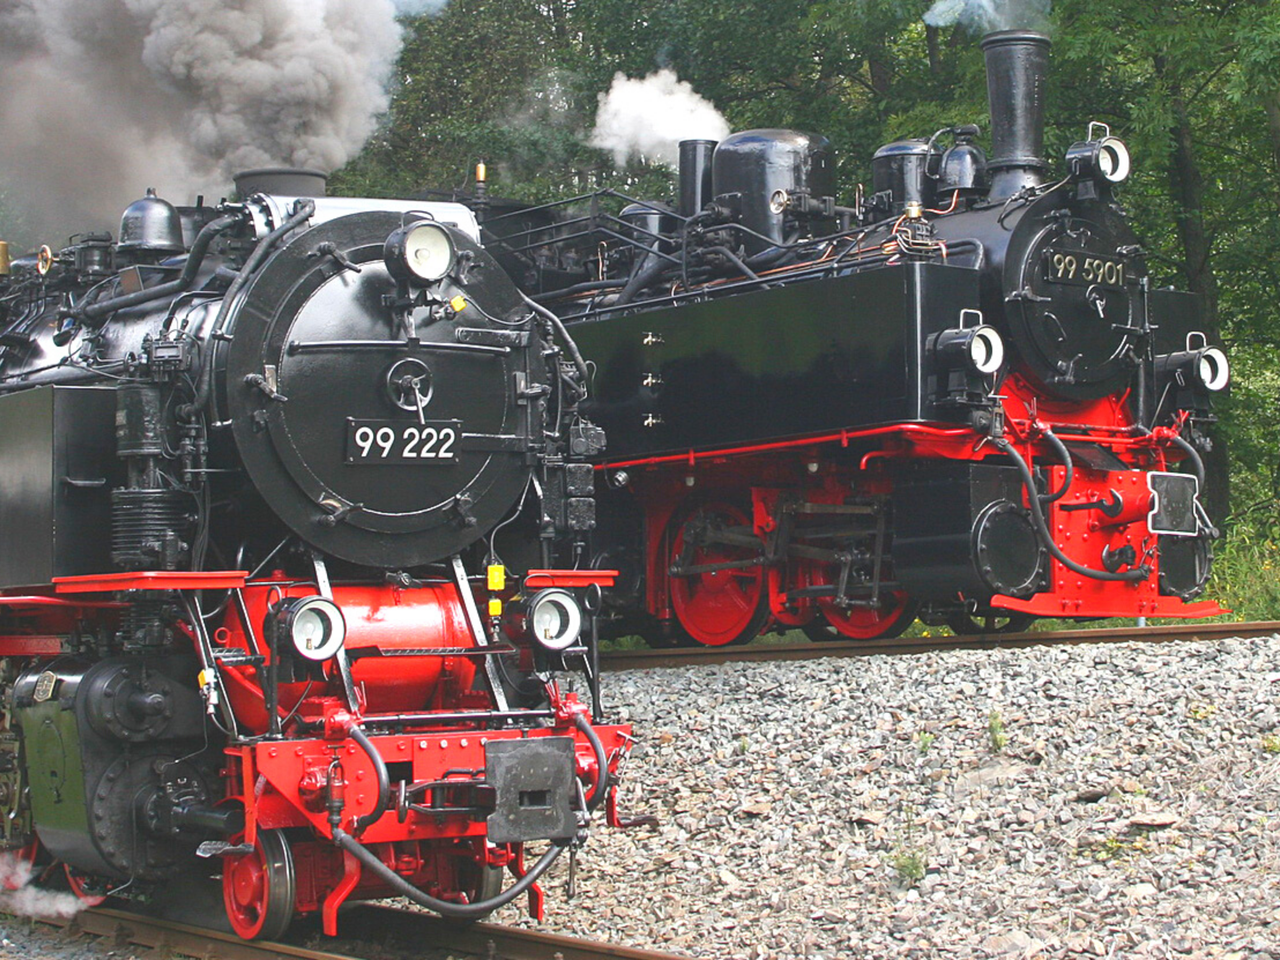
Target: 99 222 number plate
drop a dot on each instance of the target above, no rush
(399, 442)
(1083, 267)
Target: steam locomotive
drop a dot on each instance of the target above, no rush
(960, 398)
(293, 561)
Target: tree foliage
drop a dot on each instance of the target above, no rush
(1192, 86)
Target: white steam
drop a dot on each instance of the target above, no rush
(104, 98)
(18, 897)
(983, 16)
(649, 118)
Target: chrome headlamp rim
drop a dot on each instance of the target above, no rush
(555, 619)
(313, 626)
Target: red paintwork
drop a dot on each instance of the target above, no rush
(569, 579)
(152, 580)
(830, 467)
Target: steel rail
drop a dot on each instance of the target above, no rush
(366, 923)
(617, 660)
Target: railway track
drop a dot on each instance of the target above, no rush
(696, 656)
(367, 930)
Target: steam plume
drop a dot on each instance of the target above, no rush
(106, 97)
(650, 117)
(18, 897)
(983, 16)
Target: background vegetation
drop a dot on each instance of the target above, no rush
(1192, 87)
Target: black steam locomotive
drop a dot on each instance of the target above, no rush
(958, 397)
(294, 498)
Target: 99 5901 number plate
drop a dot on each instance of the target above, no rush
(400, 441)
(1083, 267)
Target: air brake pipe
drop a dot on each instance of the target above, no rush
(1042, 527)
(1193, 455)
(1061, 449)
(384, 781)
(601, 786)
(460, 911)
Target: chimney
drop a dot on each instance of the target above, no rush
(1017, 62)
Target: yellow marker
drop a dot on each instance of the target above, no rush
(497, 577)
(204, 678)
(459, 303)
(495, 607)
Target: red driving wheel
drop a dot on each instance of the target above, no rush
(77, 881)
(258, 888)
(895, 613)
(717, 607)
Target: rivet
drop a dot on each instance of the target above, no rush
(359, 774)
(422, 744)
(443, 744)
(351, 748)
(463, 742)
(298, 752)
(273, 752)
(402, 746)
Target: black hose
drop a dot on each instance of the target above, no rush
(384, 782)
(570, 346)
(1065, 455)
(204, 386)
(199, 248)
(1197, 465)
(734, 259)
(601, 786)
(1042, 527)
(461, 911)
(642, 279)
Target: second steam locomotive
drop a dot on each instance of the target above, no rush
(960, 398)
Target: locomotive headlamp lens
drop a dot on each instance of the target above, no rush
(1212, 369)
(555, 619)
(314, 625)
(421, 251)
(1113, 160)
(986, 350)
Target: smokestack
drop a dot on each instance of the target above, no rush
(281, 181)
(695, 175)
(1017, 62)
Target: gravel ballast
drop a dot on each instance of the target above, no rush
(1080, 801)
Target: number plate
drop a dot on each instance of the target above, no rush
(1083, 267)
(400, 441)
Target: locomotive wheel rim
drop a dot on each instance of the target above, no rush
(718, 607)
(895, 613)
(258, 888)
(76, 881)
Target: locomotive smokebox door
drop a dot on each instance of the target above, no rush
(535, 786)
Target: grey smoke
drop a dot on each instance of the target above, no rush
(18, 897)
(104, 98)
(648, 118)
(983, 16)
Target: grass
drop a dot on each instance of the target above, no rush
(995, 732)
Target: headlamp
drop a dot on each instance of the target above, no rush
(979, 349)
(421, 252)
(314, 626)
(555, 619)
(1102, 158)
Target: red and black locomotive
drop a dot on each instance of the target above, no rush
(294, 499)
(959, 397)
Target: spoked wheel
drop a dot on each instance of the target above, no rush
(717, 607)
(81, 885)
(895, 613)
(965, 624)
(258, 888)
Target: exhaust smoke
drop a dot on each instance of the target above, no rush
(648, 118)
(107, 97)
